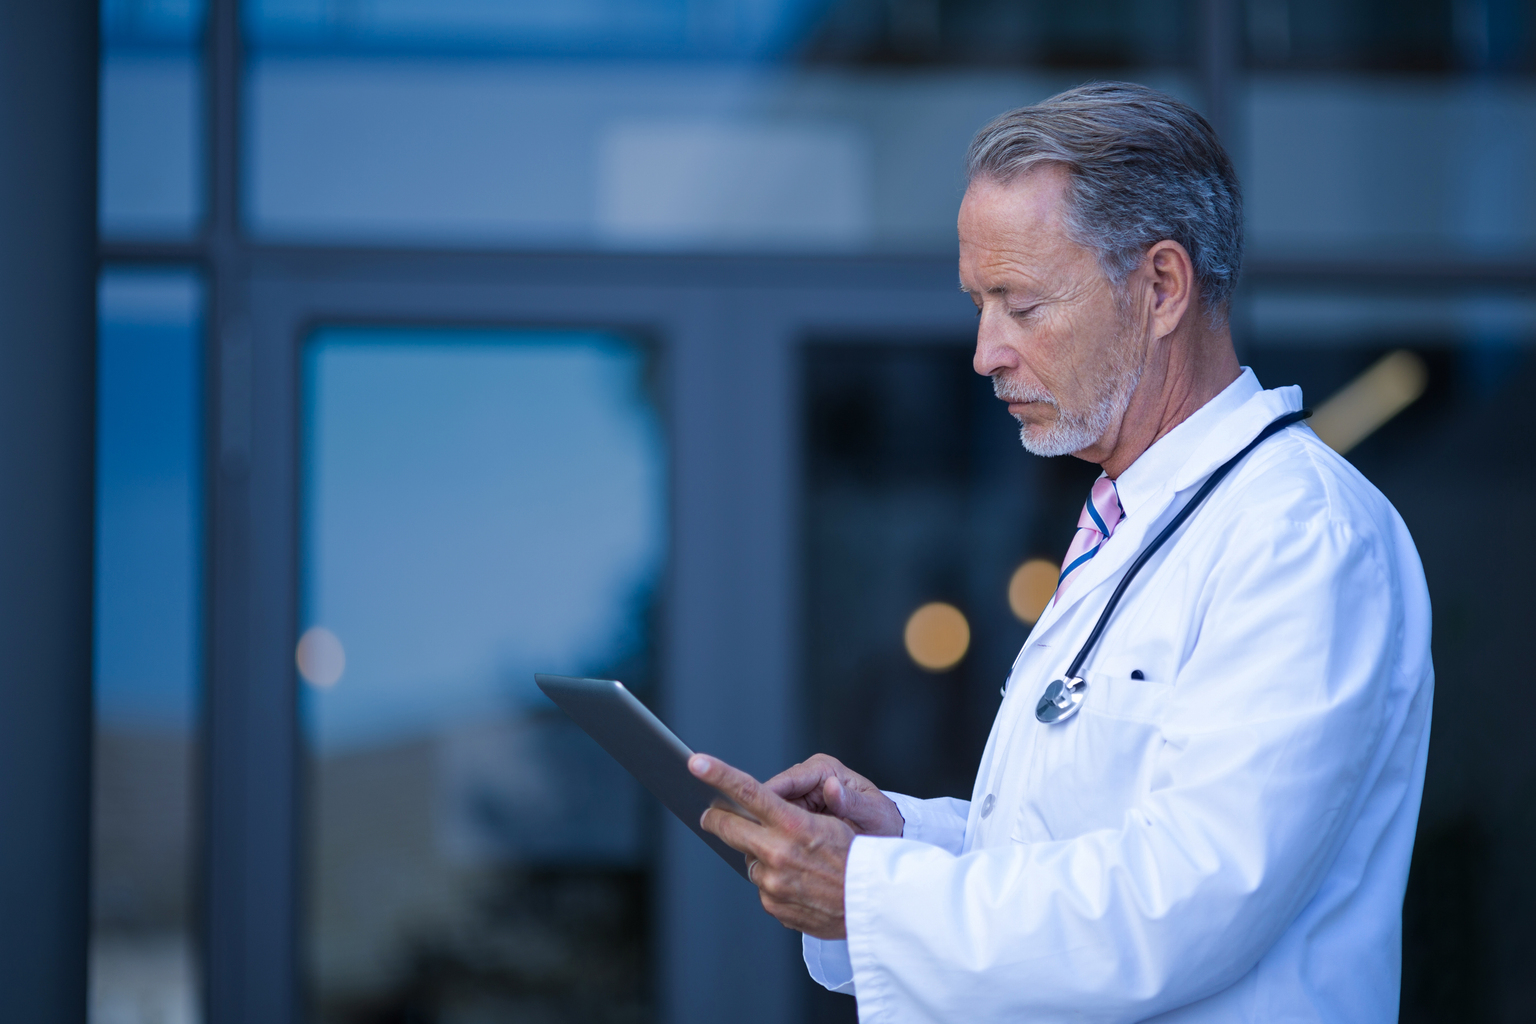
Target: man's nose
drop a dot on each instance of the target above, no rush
(992, 351)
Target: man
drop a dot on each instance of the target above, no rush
(1222, 833)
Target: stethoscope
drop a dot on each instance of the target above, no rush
(1064, 696)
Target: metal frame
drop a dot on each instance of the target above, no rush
(729, 330)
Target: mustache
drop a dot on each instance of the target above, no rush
(1018, 391)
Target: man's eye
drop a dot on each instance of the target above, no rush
(1024, 313)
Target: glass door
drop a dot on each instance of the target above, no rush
(478, 505)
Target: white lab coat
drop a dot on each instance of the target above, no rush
(1226, 840)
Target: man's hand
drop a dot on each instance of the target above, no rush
(824, 785)
(795, 857)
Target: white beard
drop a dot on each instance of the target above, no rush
(1073, 429)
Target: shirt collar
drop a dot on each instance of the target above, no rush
(1156, 466)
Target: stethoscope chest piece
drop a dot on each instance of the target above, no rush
(1061, 700)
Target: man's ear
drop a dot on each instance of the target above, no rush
(1172, 275)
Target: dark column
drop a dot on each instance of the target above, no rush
(730, 645)
(47, 441)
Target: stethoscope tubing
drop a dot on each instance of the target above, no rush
(1168, 531)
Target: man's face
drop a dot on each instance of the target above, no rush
(1053, 334)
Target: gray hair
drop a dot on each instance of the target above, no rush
(1144, 167)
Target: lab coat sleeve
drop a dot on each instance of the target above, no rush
(939, 822)
(1273, 733)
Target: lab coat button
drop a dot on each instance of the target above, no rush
(986, 805)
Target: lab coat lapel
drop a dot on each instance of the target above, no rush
(1225, 440)
(1097, 578)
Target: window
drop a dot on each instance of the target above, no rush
(148, 648)
(479, 506)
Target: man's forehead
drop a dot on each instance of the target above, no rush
(1014, 228)
(1031, 204)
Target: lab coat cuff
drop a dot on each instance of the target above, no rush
(935, 822)
(867, 888)
(828, 963)
(911, 813)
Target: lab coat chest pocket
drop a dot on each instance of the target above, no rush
(1097, 765)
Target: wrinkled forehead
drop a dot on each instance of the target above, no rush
(1019, 226)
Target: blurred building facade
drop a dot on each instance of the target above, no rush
(445, 342)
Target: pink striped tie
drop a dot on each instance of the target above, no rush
(1101, 514)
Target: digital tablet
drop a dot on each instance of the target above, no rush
(647, 749)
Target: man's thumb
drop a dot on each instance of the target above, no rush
(839, 801)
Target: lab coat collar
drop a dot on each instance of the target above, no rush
(1234, 432)
(1180, 459)
(1148, 475)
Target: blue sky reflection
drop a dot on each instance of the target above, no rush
(480, 505)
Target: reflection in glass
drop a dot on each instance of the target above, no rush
(719, 125)
(478, 506)
(151, 133)
(146, 24)
(575, 28)
(918, 495)
(148, 556)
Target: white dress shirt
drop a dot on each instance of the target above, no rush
(1224, 840)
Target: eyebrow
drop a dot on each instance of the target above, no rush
(994, 290)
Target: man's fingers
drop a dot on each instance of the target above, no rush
(769, 807)
(735, 831)
(866, 811)
(796, 781)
